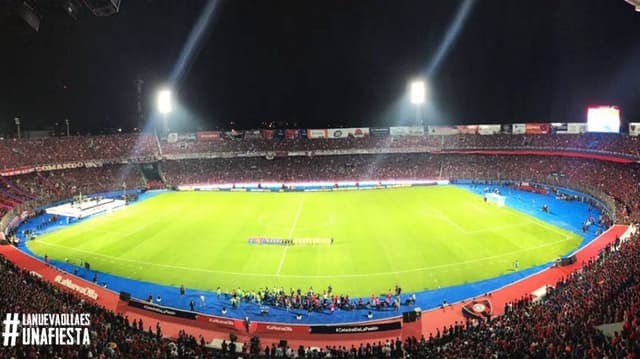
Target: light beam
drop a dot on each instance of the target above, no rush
(452, 33)
(192, 46)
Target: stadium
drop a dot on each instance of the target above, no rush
(307, 199)
(512, 239)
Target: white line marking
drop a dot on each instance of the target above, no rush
(440, 215)
(284, 255)
(355, 275)
(444, 217)
(550, 227)
(293, 228)
(496, 228)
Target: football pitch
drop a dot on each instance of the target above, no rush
(419, 238)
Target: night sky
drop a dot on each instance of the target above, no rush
(320, 63)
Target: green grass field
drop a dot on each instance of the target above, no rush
(421, 238)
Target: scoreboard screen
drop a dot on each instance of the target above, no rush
(603, 119)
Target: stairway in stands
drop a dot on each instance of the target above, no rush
(11, 195)
(152, 176)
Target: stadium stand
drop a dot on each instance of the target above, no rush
(607, 143)
(16, 153)
(606, 290)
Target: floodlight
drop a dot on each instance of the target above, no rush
(635, 3)
(165, 101)
(417, 92)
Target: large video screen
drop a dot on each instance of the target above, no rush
(603, 119)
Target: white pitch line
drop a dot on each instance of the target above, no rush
(444, 217)
(550, 228)
(293, 228)
(496, 228)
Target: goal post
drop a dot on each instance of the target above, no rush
(495, 198)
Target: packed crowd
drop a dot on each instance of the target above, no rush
(12, 196)
(563, 325)
(55, 185)
(112, 336)
(16, 153)
(585, 142)
(588, 141)
(302, 168)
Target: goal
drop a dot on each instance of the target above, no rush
(495, 198)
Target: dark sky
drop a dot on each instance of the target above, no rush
(326, 62)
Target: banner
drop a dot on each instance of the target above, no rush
(208, 136)
(235, 134)
(181, 137)
(489, 129)
(379, 131)
(406, 131)
(93, 164)
(354, 329)
(559, 127)
(267, 134)
(77, 287)
(220, 323)
(158, 309)
(634, 129)
(443, 130)
(468, 129)
(284, 329)
(518, 129)
(478, 309)
(536, 128)
(317, 133)
(291, 134)
(253, 134)
(576, 128)
(59, 166)
(16, 171)
(348, 132)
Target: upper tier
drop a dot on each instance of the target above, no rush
(144, 147)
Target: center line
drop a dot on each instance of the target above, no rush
(293, 228)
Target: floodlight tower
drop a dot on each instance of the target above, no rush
(17, 121)
(417, 95)
(165, 105)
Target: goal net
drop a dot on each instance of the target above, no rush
(495, 199)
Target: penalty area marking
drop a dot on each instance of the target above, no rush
(293, 228)
(440, 215)
(329, 276)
